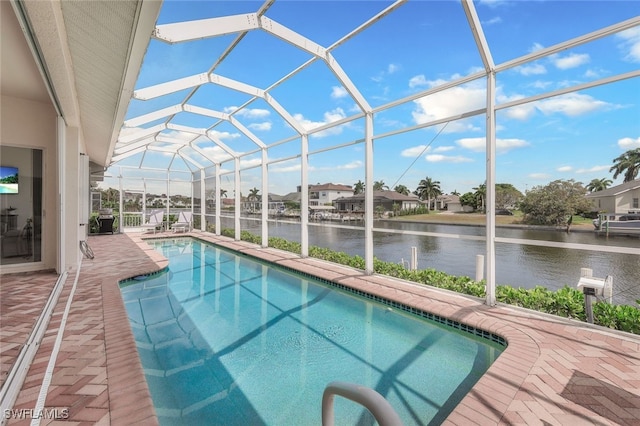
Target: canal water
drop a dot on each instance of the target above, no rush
(516, 265)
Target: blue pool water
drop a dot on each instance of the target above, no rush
(228, 340)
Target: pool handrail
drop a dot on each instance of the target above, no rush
(383, 412)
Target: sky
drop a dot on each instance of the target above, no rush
(419, 46)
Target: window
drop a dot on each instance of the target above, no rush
(635, 203)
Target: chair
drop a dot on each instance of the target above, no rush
(155, 221)
(183, 224)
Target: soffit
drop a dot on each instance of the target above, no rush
(92, 51)
(19, 77)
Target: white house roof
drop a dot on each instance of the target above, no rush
(616, 190)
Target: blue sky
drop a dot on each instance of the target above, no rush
(420, 45)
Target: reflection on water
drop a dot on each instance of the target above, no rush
(516, 265)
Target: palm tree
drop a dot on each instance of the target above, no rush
(379, 185)
(253, 194)
(481, 192)
(358, 188)
(110, 198)
(401, 189)
(627, 164)
(223, 193)
(428, 188)
(253, 197)
(455, 192)
(599, 184)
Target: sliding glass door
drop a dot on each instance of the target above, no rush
(21, 205)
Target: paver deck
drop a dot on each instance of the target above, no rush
(553, 372)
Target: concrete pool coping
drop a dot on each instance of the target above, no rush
(553, 371)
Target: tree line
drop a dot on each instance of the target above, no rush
(551, 204)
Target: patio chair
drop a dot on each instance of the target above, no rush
(155, 221)
(184, 222)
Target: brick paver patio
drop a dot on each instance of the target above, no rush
(554, 371)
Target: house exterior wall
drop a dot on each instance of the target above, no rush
(618, 204)
(327, 197)
(74, 233)
(29, 124)
(624, 202)
(454, 207)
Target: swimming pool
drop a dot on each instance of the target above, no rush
(225, 339)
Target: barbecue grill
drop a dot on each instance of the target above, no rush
(105, 221)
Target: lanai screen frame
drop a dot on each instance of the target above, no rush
(129, 145)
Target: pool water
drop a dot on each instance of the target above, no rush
(228, 340)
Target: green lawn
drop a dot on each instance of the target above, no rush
(480, 219)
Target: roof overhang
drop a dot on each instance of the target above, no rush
(89, 54)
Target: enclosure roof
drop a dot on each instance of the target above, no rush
(222, 81)
(226, 80)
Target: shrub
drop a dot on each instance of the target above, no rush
(619, 317)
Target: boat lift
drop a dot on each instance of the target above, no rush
(592, 286)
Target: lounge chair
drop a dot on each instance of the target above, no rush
(155, 221)
(184, 222)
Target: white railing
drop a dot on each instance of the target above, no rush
(383, 412)
(132, 219)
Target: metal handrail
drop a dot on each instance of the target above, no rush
(383, 412)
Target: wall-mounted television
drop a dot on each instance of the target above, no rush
(8, 180)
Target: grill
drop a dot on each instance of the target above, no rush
(105, 221)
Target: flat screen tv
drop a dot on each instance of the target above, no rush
(8, 180)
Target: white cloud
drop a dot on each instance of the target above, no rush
(329, 117)
(533, 69)
(571, 104)
(352, 165)
(444, 148)
(420, 149)
(418, 81)
(539, 84)
(250, 113)
(449, 103)
(438, 158)
(502, 145)
(413, 151)
(250, 163)
(594, 169)
(224, 135)
(536, 47)
(216, 153)
(177, 134)
(338, 92)
(564, 169)
(492, 3)
(572, 60)
(334, 115)
(631, 43)
(520, 112)
(629, 143)
(391, 68)
(264, 126)
(592, 74)
(495, 20)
